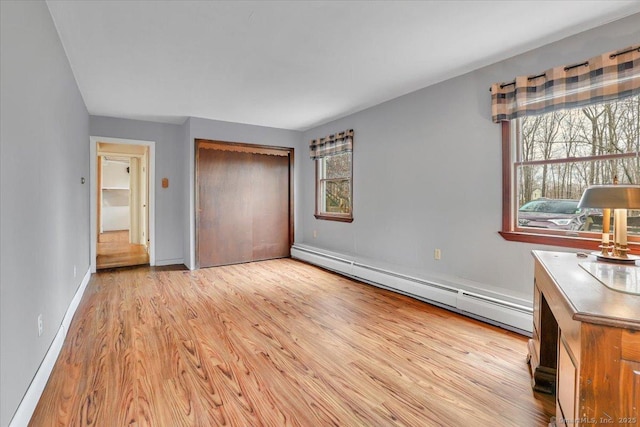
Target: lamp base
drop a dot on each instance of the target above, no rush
(629, 259)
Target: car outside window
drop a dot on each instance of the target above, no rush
(552, 214)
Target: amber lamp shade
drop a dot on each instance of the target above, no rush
(619, 198)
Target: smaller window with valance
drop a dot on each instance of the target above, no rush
(333, 156)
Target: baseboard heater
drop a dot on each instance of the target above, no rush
(496, 311)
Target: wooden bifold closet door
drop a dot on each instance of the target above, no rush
(243, 203)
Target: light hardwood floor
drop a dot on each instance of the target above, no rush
(280, 343)
(114, 250)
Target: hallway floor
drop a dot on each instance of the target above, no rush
(114, 250)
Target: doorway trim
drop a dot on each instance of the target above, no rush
(93, 208)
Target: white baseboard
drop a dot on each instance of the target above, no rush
(66, 321)
(489, 307)
(176, 261)
(30, 400)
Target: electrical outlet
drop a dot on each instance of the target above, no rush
(437, 254)
(40, 325)
(315, 233)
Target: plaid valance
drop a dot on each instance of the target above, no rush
(603, 78)
(333, 144)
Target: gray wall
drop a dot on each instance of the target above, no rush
(427, 174)
(235, 132)
(170, 157)
(175, 160)
(44, 209)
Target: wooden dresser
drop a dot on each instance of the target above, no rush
(586, 344)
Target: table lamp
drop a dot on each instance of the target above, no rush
(618, 197)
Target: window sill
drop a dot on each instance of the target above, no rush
(563, 241)
(540, 239)
(334, 218)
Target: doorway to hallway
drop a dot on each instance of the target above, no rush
(122, 188)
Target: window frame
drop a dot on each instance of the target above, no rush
(330, 216)
(512, 232)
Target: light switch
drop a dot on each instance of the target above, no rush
(165, 182)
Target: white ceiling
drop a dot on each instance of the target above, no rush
(294, 64)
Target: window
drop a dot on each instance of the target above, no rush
(333, 187)
(564, 130)
(557, 155)
(334, 168)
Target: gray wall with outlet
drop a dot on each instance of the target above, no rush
(427, 175)
(44, 206)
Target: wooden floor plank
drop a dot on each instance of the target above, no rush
(279, 343)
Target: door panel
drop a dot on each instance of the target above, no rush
(270, 200)
(144, 200)
(99, 193)
(243, 206)
(224, 193)
(134, 201)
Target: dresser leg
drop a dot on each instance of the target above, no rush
(543, 378)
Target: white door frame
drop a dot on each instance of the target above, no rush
(93, 209)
